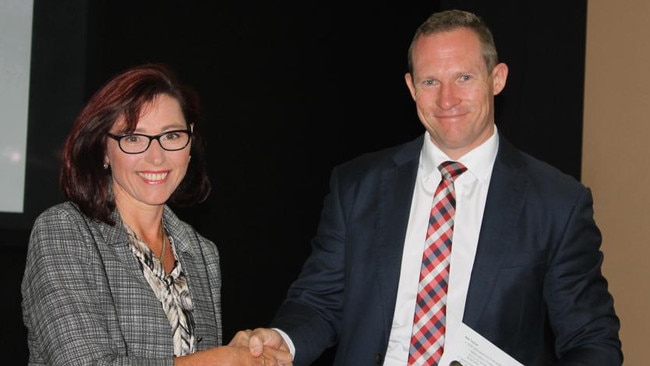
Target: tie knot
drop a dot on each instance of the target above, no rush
(450, 170)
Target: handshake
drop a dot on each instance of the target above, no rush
(269, 344)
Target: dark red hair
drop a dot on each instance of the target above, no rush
(83, 178)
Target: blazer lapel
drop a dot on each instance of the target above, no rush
(396, 187)
(505, 199)
(118, 240)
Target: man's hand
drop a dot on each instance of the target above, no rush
(264, 340)
(233, 355)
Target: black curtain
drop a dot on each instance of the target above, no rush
(288, 92)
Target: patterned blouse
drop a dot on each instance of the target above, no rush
(172, 291)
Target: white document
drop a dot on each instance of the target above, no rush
(465, 347)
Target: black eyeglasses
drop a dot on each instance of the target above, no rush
(136, 143)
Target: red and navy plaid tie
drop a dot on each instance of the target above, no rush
(428, 337)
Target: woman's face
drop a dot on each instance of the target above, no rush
(149, 178)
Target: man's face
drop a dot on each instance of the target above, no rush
(453, 90)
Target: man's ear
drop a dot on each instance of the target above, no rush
(499, 76)
(408, 77)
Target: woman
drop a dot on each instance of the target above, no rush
(112, 275)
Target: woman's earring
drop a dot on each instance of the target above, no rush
(106, 165)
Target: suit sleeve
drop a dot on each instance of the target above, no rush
(311, 313)
(580, 306)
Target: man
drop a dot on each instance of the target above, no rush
(525, 268)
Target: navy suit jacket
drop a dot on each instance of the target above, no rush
(536, 289)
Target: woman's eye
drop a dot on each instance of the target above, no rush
(171, 136)
(131, 138)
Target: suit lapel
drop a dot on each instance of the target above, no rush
(505, 199)
(396, 187)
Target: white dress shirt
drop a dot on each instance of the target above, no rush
(471, 193)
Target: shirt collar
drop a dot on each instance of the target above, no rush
(479, 161)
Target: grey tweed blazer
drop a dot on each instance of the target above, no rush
(86, 302)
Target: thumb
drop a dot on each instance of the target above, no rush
(256, 345)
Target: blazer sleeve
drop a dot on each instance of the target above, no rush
(319, 286)
(581, 309)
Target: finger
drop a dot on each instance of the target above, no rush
(255, 344)
(241, 338)
(279, 357)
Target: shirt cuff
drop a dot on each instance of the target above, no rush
(287, 340)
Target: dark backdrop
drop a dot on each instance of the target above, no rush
(288, 91)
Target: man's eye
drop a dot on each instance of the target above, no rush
(465, 77)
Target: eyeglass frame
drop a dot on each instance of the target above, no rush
(157, 137)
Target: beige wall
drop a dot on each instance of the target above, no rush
(616, 157)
